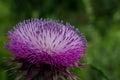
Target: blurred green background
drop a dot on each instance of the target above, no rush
(99, 20)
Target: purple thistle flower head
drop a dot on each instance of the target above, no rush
(47, 42)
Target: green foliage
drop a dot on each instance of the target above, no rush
(99, 20)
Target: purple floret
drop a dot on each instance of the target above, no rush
(45, 41)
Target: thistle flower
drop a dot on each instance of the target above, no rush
(46, 49)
